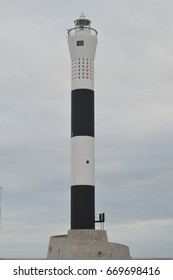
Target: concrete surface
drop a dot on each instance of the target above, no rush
(86, 245)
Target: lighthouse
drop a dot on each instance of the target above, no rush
(82, 42)
(83, 241)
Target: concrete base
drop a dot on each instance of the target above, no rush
(86, 245)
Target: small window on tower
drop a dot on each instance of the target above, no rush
(80, 43)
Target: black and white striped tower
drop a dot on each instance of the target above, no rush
(82, 42)
(83, 241)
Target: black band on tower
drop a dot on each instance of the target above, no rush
(82, 112)
(82, 207)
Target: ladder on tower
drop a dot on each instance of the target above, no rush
(101, 220)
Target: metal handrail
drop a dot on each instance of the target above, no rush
(72, 30)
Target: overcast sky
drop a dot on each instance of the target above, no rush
(134, 123)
